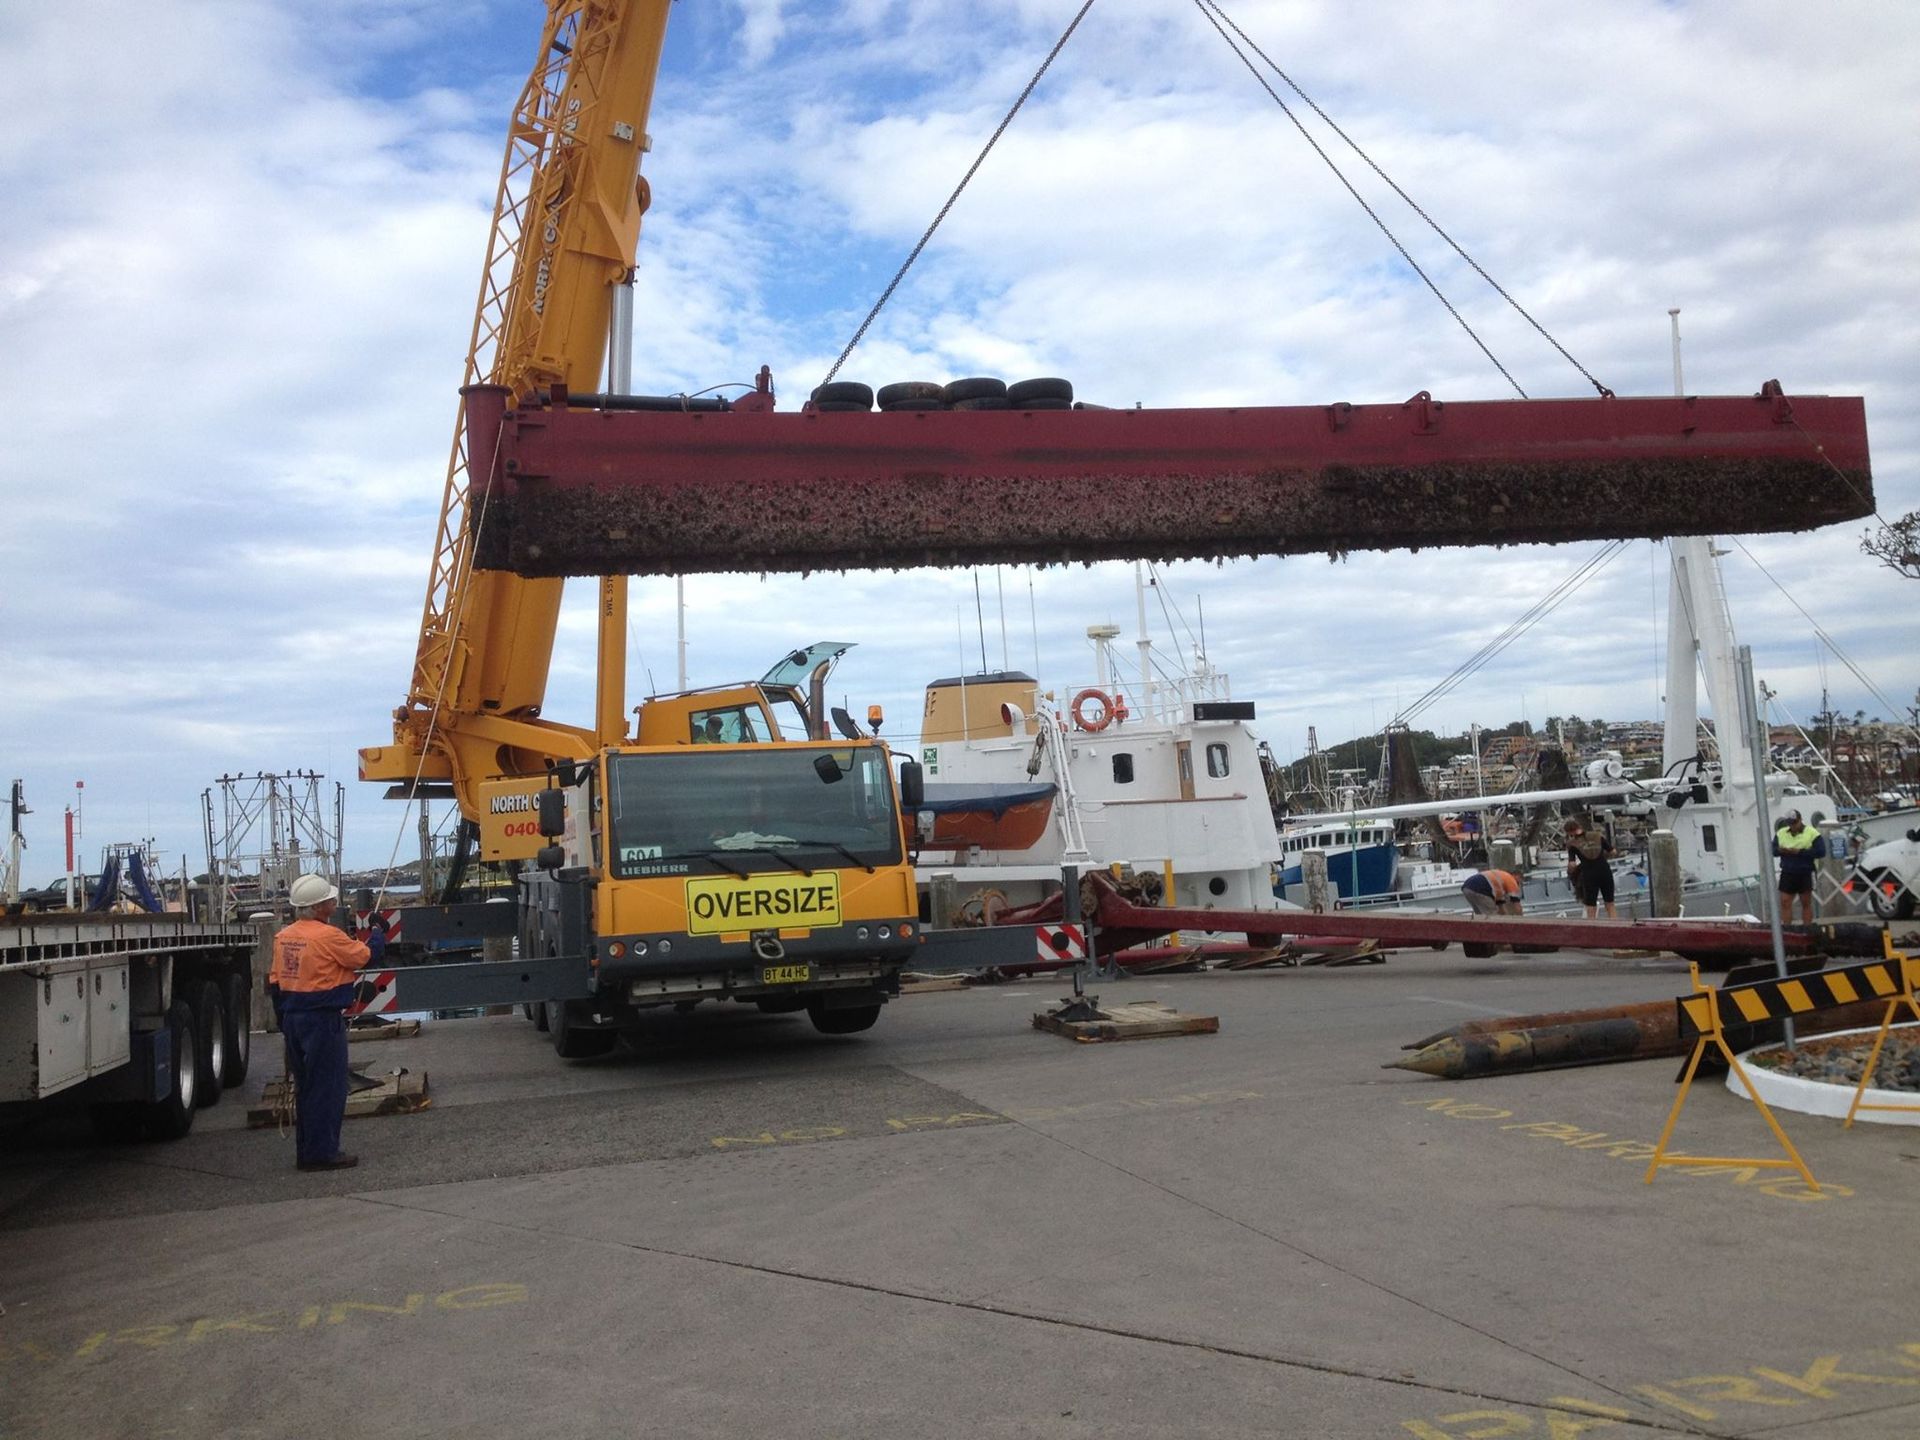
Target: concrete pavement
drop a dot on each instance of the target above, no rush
(958, 1225)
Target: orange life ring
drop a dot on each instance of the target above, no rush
(1103, 717)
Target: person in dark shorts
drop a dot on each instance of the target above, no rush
(1800, 847)
(1590, 867)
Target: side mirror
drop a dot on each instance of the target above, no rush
(552, 807)
(913, 785)
(828, 769)
(568, 773)
(551, 857)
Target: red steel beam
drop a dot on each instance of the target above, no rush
(576, 491)
(1114, 913)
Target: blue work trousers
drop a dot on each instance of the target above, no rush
(317, 1060)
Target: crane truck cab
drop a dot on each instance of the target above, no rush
(775, 873)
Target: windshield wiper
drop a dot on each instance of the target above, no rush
(836, 845)
(787, 860)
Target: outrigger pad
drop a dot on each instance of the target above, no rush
(591, 492)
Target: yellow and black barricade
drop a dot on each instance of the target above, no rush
(1738, 1006)
(1906, 971)
(1707, 1012)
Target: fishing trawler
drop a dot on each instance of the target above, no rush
(1162, 776)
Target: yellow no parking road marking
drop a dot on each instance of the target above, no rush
(1760, 1391)
(180, 1335)
(1599, 1142)
(962, 1119)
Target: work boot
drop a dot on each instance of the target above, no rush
(338, 1162)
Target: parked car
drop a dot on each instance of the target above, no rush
(1889, 873)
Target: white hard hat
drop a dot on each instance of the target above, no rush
(311, 890)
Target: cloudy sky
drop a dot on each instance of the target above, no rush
(241, 244)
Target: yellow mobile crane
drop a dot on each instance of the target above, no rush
(770, 866)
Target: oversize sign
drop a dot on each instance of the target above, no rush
(717, 904)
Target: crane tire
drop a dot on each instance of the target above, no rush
(1099, 721)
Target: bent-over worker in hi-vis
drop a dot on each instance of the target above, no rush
(314, 966)
(1493, 892)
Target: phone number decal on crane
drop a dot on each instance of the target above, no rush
(720, 903)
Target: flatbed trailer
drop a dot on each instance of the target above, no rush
(140, 1019)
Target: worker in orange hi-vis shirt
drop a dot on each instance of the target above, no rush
(314, 966)
(1493, 892)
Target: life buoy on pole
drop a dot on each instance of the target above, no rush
(1101, 716)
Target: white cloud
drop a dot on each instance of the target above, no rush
(239, 263)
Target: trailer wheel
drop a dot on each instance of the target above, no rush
(850, 1021)
(571, 1041)
(537, 1013)
(209, 1043)
(172, 1117)
(239, 1030)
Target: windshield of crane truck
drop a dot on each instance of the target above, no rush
(710, 811)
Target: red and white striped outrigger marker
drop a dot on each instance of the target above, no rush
(1058, 943)
(363, 924)
(386, 995)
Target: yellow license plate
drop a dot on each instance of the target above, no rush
(786, 974)
(729, 904)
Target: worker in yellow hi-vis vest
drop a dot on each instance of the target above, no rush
(1799, 846)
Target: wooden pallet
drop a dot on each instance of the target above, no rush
(400, 1094)
(932, 984)
(1142, 1020)
(388, 1030)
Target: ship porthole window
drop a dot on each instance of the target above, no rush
(1216, 886)
(1217, 761)
(1123, 769)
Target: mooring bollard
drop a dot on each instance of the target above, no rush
(1663, 873)
(1313, 875)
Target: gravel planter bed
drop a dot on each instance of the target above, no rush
(1818, 1076)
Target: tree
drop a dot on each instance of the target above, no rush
(1896, 545)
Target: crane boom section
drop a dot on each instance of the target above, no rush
(565, 227)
